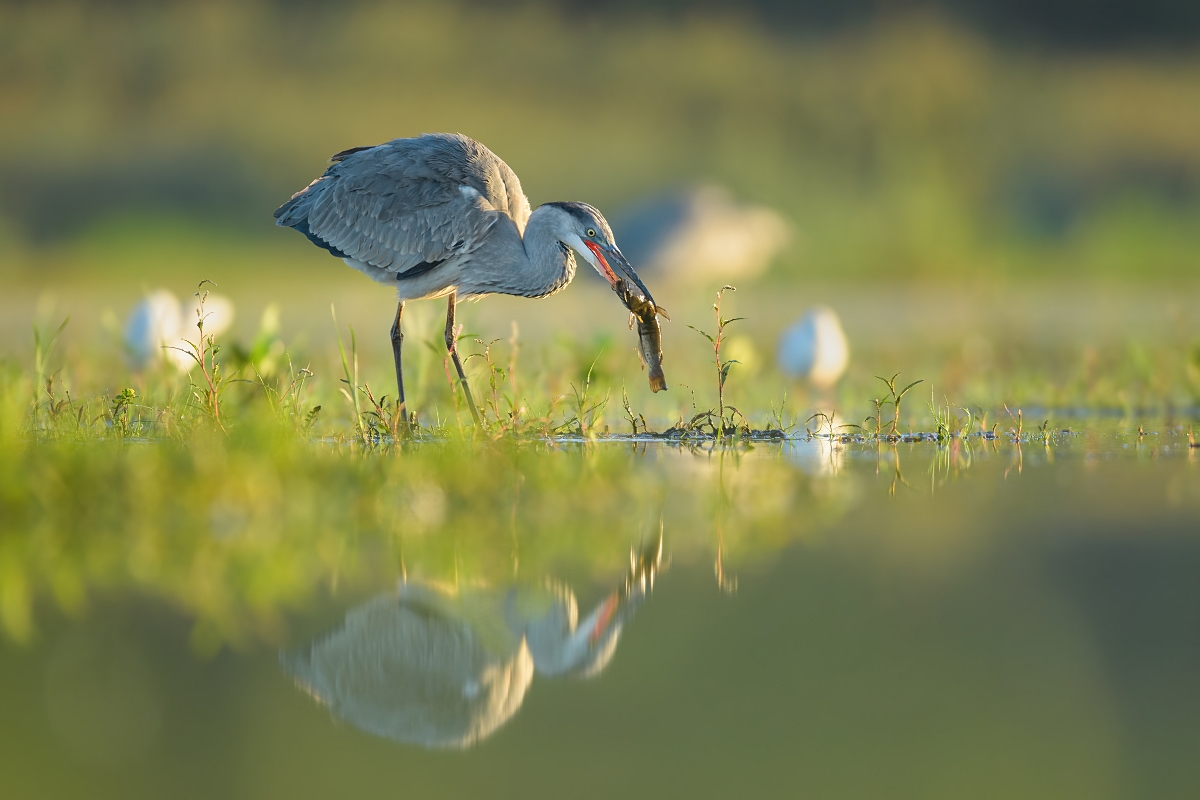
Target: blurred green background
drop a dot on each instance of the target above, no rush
(902, 144)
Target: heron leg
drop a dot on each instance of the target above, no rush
(452, 347)
(397, 340)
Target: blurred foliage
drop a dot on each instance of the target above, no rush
(238, 529)
(904, 146)
(240, 523)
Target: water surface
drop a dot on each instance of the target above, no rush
(978, 619)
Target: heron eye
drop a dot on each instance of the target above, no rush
(591, 231)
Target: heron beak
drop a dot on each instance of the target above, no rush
(614, 266)
(605, 618)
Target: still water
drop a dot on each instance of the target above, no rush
(801, 619)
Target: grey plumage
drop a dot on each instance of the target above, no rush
(408, 202)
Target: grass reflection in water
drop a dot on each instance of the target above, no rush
(1026, 608)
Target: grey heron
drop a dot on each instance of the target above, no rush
(440, 215)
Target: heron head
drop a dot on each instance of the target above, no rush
(587, 232)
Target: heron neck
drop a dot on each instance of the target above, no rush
(551, 263)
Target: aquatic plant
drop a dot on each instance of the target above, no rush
(722, 426)
(894, 398)
(946, 420)
(204, 352)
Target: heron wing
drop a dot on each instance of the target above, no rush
(407, 205)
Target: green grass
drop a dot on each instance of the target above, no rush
(559, 388)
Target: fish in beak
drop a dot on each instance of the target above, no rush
(636, 297)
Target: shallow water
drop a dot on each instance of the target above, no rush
(821, 619)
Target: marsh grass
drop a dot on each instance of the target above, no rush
(229, 388)
(42, 347)
(864, 430)
(379, 423)
(949, 427)
(287, 400)
(633, 419)
(895, 398)
(947, 423)
(579, 413)
(824, 420)
(587, 409)
(204, 352)
(719, 424)
(230, 385)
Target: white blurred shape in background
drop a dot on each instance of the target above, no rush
(218, 316)
(158, 328)
(815, 348)
(153, 324)
(701, 231)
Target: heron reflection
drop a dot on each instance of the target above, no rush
(443, 667)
